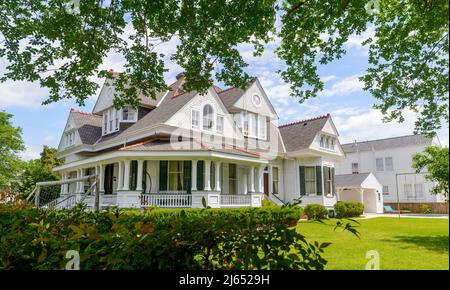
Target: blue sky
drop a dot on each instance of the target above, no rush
(343, 97)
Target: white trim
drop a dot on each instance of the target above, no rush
(158, 155)
(162, 99)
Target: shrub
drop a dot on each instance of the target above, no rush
(425, 209)
(315, 211)
(242, 238)
(268, 203)
(346, 209)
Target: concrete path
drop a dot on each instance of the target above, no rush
(403, 215)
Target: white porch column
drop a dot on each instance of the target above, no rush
(82, 172)
(126, 175)
(362, 195)
(120, 176)
(77, 184)
(101, 177)
(261, 178)
(64, 187)
(208, 175)
(270, 189)
(194, 175)
(140, 168)
(217, 177)
(252, 179)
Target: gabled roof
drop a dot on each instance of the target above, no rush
(230, 96)
(299, 135)
(350, 180)
(381, 144)
(89, 126)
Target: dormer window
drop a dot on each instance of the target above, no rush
(129, 114)
(70, 138)
(111, 122)
(327, 142)
(208, 117)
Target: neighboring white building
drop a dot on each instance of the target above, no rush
(390, 160)
(222, 145)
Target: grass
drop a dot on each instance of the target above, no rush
(408, 243)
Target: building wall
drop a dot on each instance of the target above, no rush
(402, 161)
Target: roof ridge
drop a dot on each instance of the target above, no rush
(72, 110)
(306, 120)
(381, 139)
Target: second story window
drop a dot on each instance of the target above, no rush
(379, 164)
(388, 163)
(327, 142)
(70, 138)
(385, 190)
(195, 119)
(117, 115)
(219, 124)
(105, 123)
(262, 127)
(129, 114)
(208, 115)
(355, 168)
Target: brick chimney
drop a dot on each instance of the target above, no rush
(180, 75)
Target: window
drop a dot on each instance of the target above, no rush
(389, 166)
(129, 114)
(332, 143)
(355, 169)
(328, 180)
(275, 180)
(310, 180)
(256, 100)
(252, 119)
(322, 141)
(379, 164)
(105, 122)
(175, 175)
(418, 190)
(385, 190)
(238, 120)
(407, 188)
(208, 115)
(70, 138)
(219, 124)
(232, 178)
(245, 131)
(117, 119)
(327, 142)
(111, 118)
(195, 119)
(262, 126)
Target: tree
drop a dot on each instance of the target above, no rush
(408, 55)
(10, 144)
(435, 160)
(40, 170)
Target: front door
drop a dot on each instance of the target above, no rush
(109, 171)
(266, 183)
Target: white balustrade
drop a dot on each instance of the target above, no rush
(166, 200)
(229, 200)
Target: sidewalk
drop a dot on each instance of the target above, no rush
(405, 215)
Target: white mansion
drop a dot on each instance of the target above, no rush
(182, 146)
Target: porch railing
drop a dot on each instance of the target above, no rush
(231, 200)
(166, 200)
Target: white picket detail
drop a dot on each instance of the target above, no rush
(166, 200)
(232, 200)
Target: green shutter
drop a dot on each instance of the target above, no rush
(163, 175)
(302, 180)
(187, 175)
(319, 180)
(333, 185)
(133, 181)
(200, 175)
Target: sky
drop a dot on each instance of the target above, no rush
(343, 97)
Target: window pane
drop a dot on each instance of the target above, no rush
(220, 124)
(389, 164)
(275, 180)
(310, 180)
(175, 175)
(232, 181)
(195, 119)
(253, 124)
(207, 117)
(355, 169)
(408, 190)
(262, 127)
(379, 164)
(418, 189)
(385, 190)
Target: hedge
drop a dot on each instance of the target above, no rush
(243, 238)
(346, 209)
(315, 211)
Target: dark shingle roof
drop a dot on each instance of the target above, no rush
(350, 180)
(89, 126)
(299, 135)
(230, 96)
(382, 144)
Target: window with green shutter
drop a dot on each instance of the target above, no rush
(319, 180)
(163, 164)
(187, 184)
(302, 181)
(200, 175)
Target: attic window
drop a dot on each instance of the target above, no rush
(327, 142)
(129, 114)
(70, 138)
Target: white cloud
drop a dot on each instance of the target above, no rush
(342, 87)
(355, 41)
(21, 94)
(329, 78)
(31, 152)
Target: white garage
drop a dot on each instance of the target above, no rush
(362, 187)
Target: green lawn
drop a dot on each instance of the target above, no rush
(409, 243)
